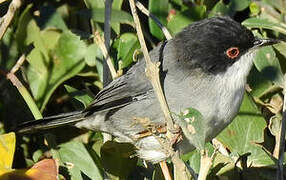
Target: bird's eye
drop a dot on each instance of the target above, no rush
(232, 52)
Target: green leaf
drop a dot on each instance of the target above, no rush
(267, 63)
(193, 126)
(184, 18)
(228, 9)
(94, 57)
(160, 9)
(243, 134)
(93, 53)
(265, 23)
(81, 96)
(178, 22)
(46, 72)
(194, 157)
(21, 32)
(78, 161)
(221, 9)
(99, 4)
(278, 4)
(91, 4)
(254, 8)
(50, 18)
(239, 5)
(258, 83)
(117, 16)
(116, 158)
(37, 155)
(116, 4)
(275, 125)
(281, 47)
(70, 48)
(127, 44)
(9, 51)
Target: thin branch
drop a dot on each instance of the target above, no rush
(279, 175)
(18, 64)
(152, 70)
(22, 90)
(7, 18)
(206, 163)
(104, 51)
(180, 169)
(165, 170)
(155, 19)
(107, 31)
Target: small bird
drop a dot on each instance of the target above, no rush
(205, 67)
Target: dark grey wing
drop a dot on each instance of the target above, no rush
(126, 89)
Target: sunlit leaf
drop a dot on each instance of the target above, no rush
(117, 16)
(160, 9)
(239, 5)
(94, 57)
(127, 44)
(50, 18)
(46, 74)
(46, 169)
(78, 161)
(81, 96)
(267, 63)
(193, 158)
(193, 126)
(243, 134)
(266, 24)
(7, 149)
(182, 19)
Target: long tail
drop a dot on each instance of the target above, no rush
(50, 122)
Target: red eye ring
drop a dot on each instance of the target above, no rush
(232, 52)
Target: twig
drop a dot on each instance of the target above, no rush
(101, 45)
(165, 170)
(22, 90)
(206, 163)
(155, 19)
(180, 170)
(18, 64)
(192, 172)
(7, 18)
(107, 17)
(279, 175)
(152, 70)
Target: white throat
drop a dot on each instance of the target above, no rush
(232, 87)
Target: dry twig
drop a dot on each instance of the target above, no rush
(152, 70)
(279, 175)
(104, 51)
(157, 21)
(7, 18)
(21, 88)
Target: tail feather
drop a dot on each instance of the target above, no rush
(50, 122)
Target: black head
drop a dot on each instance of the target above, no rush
(214, 44)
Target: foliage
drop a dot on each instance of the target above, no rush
(64, 69)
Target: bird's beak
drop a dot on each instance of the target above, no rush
(264, 42)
